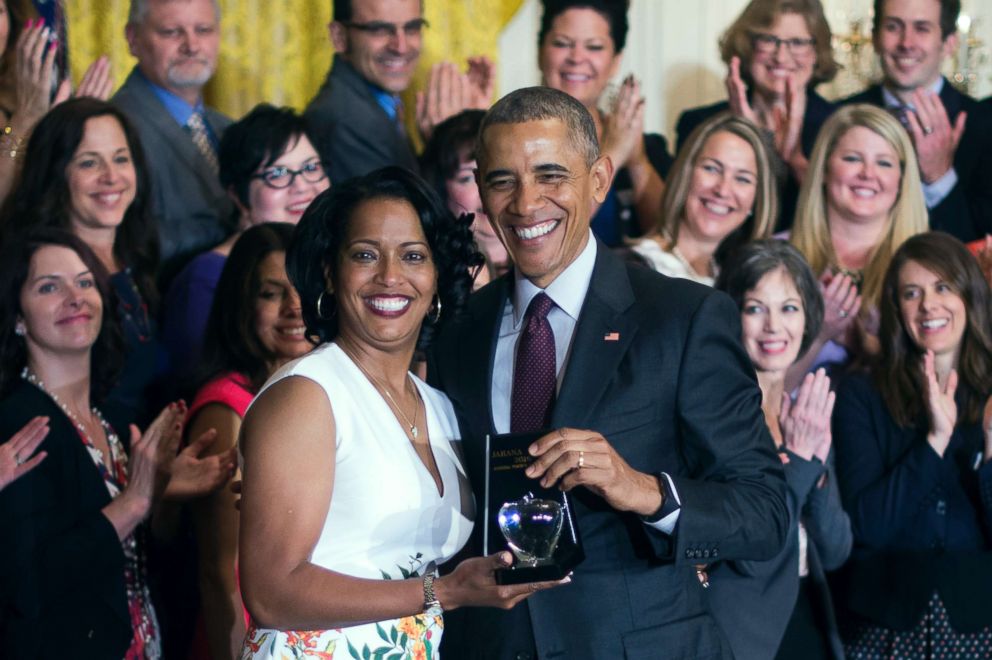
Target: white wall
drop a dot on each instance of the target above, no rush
(672, 48)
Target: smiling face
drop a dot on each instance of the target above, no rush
(863, 177)
(61, 308)
(933, 313)
(463, 197)
(722, 189)
(268, 204)
(278, 320)
(578, 55)
(176, 44)
(909, 43)
(385, 279)
(387, 60)
(101, 177)
(539, 194)
(773, 321)
(769, 71)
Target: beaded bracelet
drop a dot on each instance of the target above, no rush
(10, 144)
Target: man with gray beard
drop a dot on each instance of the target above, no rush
(176, 44)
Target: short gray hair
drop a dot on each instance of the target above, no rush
(139, 10)
(541, 103)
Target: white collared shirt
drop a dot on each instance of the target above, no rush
(568, 291)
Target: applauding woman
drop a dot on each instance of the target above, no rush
(364, 454)
(781, 311)
(914, 443)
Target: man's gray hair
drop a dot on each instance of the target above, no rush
(139, 10)
(540, 103)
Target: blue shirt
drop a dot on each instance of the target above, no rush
(179, 109)
(390, 103)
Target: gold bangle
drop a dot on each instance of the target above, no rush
(9, 143)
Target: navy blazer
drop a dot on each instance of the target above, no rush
(187, 200)
(818, 109)
(61, 563)
(921, 523)
(352, 132)
(966, 212)
(675, 392)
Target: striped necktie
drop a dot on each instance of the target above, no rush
(201, 138)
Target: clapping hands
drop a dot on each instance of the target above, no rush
(805, 424)
(450, 91)
(623, 127)
(941, 407)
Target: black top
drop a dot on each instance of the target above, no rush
(921, 522)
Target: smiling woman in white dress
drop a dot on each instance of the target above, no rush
(353, 481)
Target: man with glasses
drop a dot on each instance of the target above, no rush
(176, 44)
(952, 133)
(357, 116)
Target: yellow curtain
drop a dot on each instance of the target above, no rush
(278, 50)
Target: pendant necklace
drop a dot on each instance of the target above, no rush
(414, 431)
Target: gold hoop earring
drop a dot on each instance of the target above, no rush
(434, 314)
(320, 302)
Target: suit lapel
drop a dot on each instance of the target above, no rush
(602, 335)
(951, 98)
(478, 353)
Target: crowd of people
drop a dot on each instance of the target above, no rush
(760, 362)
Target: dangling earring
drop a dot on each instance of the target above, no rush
(320, 303)
(434, 313)
(20, 330)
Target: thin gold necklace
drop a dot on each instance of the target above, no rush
(414, 431)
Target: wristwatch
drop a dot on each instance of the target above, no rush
(432, 606)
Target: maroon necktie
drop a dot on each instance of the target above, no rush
(534, 376)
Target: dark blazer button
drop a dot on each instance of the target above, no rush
(941, 507)
(706, 554)
(715, 553)
(688, 553)
(90, 634)
(524, 655)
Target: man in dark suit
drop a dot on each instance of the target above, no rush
(658, 430)
(176, 45)
(952, 133)
(357, 115)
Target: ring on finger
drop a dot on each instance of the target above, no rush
(842, 313)
(582, 459)
(927, 130)
(20, 461)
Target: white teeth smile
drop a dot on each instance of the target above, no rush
(294, 332)
(108, 198)
(388, 304)
(934, 324)
(772, 345)
(719, 209)
(864, 192)
(535, 231)
(576, 77)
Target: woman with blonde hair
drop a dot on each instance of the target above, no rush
(721, 193)
(860, 201)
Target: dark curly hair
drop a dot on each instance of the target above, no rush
(43, 194)
(15, 262)
(319, 239)
(614, 11)
(230, 341)
(898, 370)
(746, 265)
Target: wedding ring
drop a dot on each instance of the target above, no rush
(842, 313)
(582, 459)
(21, 461)
(927, 130)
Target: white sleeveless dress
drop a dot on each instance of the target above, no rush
(386, 520)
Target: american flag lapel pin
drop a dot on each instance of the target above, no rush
(612, 336)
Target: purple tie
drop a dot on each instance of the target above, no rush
(534, 372)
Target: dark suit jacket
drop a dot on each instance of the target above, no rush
(818, 110)
(352, 131)
(61, 564)
(966, 212)
(188, 202)
(921, 523)
(675, 393)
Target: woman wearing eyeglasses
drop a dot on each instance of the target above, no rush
(271, 170)
(777, 51)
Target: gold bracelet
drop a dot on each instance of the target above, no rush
(9, 143)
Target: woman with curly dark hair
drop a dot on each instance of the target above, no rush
(84, 172)
(914, 462)
(364, 454)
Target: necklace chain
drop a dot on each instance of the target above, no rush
(414, 431)
(113, 442)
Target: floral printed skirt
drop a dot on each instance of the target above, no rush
(410, 638)
(931, 639)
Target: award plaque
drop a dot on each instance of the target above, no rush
(536, 524)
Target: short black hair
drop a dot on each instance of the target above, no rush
(15, 262)
(750, 262)
(320, 235)
(256, 141)
(614, 11)
(949, 11)
(230, 342)
(451, 141)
